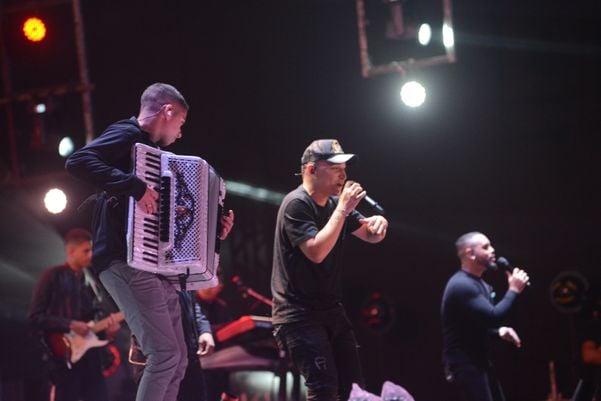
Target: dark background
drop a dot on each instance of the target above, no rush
(507, 143)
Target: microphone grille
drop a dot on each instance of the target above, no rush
(503, 263)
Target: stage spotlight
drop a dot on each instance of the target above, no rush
(424, 34)
(55, 201)
(40, 108)
(34, 29)
(448, 36)
(66, 146)
(396, 36)
(413, 94)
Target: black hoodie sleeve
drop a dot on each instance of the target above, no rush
(477, 306)
(106, 161)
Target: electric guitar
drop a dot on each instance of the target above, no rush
(71, 347)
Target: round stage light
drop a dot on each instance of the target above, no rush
(413, 94)
(66, 146)
(568, 291)
(424, 34)
(448, 36)
(40, 108)
(378, 312)
(34, 29)
(55, 201)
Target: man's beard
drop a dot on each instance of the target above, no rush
(487, 263)
(492, 266)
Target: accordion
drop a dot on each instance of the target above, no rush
(179, 242)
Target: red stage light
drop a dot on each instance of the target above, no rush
(34, 29)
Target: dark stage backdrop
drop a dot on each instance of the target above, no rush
(507, 143)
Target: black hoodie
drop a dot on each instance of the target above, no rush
(106, 163)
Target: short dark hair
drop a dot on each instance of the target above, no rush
(76, 236)
(465, 241)
(158, 94)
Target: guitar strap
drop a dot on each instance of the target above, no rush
(91, 281)
(102, 304)
(189, 314)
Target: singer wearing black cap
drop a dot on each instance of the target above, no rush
(471, 318)
(309, 320)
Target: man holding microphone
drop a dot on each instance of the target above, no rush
(313, 221)
(471, 317)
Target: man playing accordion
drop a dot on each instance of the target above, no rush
(149, 302)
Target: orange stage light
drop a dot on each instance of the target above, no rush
(34, 29)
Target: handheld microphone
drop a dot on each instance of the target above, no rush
(375, 205)
(504, 264)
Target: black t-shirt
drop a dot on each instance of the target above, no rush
(301, 289)
(470, 318)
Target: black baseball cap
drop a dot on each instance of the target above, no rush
(325, 149)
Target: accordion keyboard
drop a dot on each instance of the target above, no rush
(146, 240)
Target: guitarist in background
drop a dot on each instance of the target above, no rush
(64, 301)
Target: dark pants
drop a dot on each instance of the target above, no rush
(83, 382)
(477, 383)
(325, 352)
(193, 387)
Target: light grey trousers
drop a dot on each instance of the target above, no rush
(153, 313)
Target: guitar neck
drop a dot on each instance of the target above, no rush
(104, 323)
